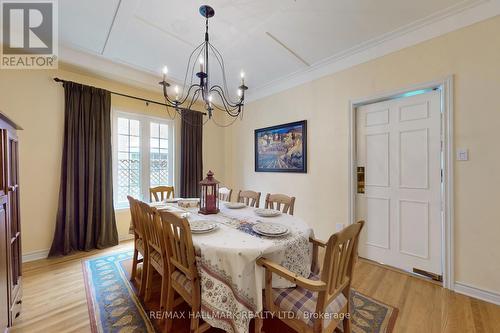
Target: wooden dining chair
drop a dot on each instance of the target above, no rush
(318, 302)
(157, 250)
(277, 201)
(249, 198)
(225, 194)
(160, 193)
(184, 278)
(140, 239)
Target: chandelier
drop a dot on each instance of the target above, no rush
(197, 85)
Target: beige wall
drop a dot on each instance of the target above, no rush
(472, 55)
(34, 101)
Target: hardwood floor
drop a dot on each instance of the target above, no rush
(54, 299)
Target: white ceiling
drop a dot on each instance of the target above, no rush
(147, 34)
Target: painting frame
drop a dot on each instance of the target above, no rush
(303, 168)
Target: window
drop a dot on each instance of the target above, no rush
(143, 156)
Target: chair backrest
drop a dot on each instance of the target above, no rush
(134, 214)
(249, 198)
(225, 194)
(150, 220)
(160, 193)
(276, 201)
(341, 251)
(179, 244)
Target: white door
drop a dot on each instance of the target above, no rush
(399, 145)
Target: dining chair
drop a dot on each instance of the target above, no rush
(157, 250)
(225, 194)
(319, 302)
(276, 201)
(140, 239)
(184, 278)
(160, 193)
(249, 198)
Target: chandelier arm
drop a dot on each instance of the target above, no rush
(221, 93)
(192, 67)
(220, 59)
(180, 102)
(229, 111)
(165, 94)
(195, 97)
(225, 125)
(168, 111)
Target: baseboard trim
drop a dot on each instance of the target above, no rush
(125, 237)
(475, 292)
(35, 255)
(43, 254)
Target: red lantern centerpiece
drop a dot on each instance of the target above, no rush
(209, 187)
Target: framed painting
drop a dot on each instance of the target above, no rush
(281, 148)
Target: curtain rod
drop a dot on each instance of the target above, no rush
(133, 97)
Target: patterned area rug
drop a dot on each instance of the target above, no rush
(114, 306)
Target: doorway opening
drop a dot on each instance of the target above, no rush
(401, 174)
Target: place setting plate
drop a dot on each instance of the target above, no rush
(270, 229)
(202, 226)
(264, 212)
(234, 205)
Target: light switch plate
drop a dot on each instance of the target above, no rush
(462, 154)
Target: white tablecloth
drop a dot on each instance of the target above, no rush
(231, 281)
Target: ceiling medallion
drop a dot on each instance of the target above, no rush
(198, 86)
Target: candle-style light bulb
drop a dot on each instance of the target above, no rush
(240, 92)
(176, 90)
(242, 75)
(164, 71)
(210, 99)
(201, 64)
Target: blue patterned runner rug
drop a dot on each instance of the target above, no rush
(113, 304)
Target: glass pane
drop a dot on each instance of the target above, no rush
(163, 131)
(155, 130)
(134, 163)
(163, 143)
(154, 144)
(122, 126)
(122, 156)
(134, 127)
(129, 165)
(123, 143)
(134, 142)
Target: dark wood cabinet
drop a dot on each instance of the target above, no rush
(10, 225)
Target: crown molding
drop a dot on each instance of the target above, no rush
(116, 70)
(459, 16)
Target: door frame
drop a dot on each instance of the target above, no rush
(445, 85)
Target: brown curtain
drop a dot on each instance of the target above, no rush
(85, 217)
(191, 153)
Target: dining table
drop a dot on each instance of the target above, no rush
(231, 281)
